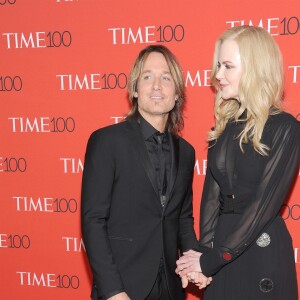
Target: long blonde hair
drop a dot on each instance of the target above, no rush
(260, 86)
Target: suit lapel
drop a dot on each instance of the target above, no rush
(174, 146)
(141, 150)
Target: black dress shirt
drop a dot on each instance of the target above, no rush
(158, 146)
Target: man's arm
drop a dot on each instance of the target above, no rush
(187, 236)
(97, 186)
(120, 296)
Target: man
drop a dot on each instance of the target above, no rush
(137, 188)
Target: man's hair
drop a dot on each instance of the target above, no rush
(175, 121)
(260, 88)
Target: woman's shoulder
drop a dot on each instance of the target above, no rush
(282, 124)
(282, 118)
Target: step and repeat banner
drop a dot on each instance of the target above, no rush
(64, 67)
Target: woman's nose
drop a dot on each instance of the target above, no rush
(219, 74)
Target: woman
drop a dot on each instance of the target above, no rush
(252, 158)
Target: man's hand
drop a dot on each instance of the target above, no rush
(202, 281)
(197, 278)
(184, 281)
(120, 296)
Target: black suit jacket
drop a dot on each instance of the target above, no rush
(124, 227)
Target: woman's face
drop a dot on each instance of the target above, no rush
(229, 69)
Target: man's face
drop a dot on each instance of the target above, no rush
(155, 88)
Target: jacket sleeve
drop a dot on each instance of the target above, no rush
(97, 185)
(187, 236)
(276, 179)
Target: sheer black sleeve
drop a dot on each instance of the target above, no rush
(276, 179)
(209, 211)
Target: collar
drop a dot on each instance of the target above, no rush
(147, 129)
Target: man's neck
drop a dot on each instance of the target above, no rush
(158, 122)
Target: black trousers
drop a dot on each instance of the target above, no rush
(159, 290)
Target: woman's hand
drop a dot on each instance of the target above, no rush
(189, 269)
(189, 262)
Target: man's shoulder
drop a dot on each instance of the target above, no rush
(112, 134)
(184, 143)
(110, 129)
(116, 130)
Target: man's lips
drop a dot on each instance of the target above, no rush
(156, 97)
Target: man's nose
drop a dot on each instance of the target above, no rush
(156, 84)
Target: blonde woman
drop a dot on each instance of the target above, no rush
(253, 155)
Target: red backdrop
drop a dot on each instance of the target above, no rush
(63, 70)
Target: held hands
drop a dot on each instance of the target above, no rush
(189, 262)
(188, 268)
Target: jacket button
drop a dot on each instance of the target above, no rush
(266, 285)
(227, 256)
(264, 240)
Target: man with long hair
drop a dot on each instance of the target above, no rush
(137, 188)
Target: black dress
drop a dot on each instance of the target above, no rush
(245, 243)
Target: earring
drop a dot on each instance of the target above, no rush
(135, 94)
